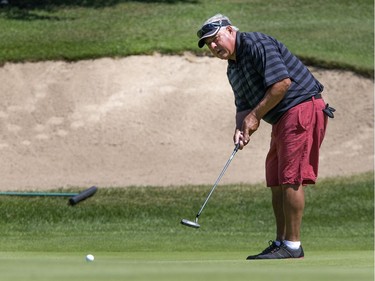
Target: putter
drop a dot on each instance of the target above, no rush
(195, 224)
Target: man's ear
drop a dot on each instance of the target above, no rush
(230, 28)
(231, 31)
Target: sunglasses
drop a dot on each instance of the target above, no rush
(209, 27)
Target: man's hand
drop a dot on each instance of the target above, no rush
(249, 125)
(238, 138)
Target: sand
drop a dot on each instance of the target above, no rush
(153, 120)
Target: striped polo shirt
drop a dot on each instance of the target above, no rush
(262, 61)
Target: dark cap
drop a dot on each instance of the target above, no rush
(211, 27)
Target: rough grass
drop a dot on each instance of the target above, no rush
(339, 215)
(329, 33)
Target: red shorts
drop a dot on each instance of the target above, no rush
(293, 157)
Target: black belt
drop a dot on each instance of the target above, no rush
(317, 97)
(327, 110)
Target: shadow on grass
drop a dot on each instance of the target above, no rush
(24, 9)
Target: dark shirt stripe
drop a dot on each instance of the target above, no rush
(261, 61)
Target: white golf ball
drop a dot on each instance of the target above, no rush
(90, 257)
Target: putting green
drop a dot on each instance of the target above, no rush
(331, 266)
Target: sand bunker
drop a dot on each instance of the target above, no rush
(153, 120)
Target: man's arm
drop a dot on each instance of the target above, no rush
(247, 122)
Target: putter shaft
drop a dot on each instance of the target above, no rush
(218, 180)
(195, 224)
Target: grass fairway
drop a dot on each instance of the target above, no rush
(330, 266)
(135, 234)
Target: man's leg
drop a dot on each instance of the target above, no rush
(277, 204)
(288, 204)
(278, 210)
(294, 204)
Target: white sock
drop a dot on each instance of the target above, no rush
(277, 243)
(294, 245)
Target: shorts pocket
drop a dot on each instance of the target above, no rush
(305, 117)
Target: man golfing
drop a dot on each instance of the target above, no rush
(270, 83)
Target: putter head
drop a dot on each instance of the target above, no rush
(190, 223)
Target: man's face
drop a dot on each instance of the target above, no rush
(222, 45)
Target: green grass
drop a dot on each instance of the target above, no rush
(339, 215)
(328, 33)
(322, 266)
(134, 233)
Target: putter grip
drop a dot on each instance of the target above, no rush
(83, 195)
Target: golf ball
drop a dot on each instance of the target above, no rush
(90, 257)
